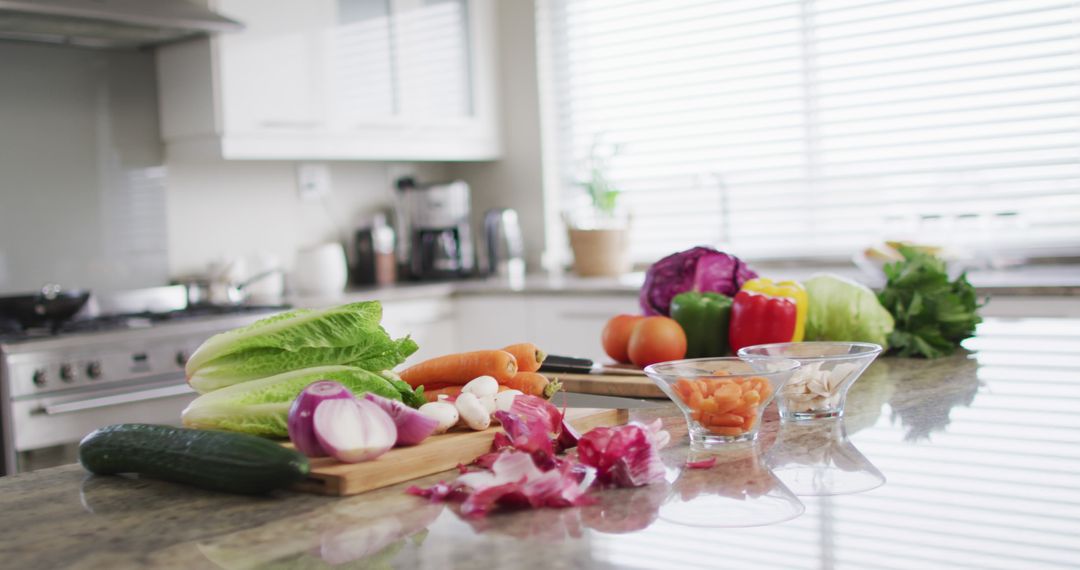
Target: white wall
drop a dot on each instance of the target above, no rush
(220, 208)
(516, 181)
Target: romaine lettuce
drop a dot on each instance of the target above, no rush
(261, 407)
(346, 335)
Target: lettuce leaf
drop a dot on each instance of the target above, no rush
(261, 407)
(346, 335)
(843, 310)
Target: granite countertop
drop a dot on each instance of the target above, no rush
(980, 452)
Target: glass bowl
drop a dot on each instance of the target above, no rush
(722, 398)
(826, 372)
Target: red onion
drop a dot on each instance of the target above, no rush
(352, 431)
(412, 426)
(302, 412)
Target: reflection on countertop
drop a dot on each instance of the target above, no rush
(980, 451)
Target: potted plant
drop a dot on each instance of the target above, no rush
(599, 229)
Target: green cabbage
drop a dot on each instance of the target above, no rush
(261, 407)
(843, 310)
(346, 335)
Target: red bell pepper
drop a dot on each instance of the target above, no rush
(764, 312)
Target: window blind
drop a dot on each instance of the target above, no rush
(814, 128)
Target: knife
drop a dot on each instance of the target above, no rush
(572, 365)
(580, 400)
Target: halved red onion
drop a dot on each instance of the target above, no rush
(352, 431)
(412, 426)
(302, 412)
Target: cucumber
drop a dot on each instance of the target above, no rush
(215, 460)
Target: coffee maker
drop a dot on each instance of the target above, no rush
(433, 222)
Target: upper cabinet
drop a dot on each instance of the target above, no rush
(336, 80)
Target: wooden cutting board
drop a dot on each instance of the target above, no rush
(608, 385)
(437, 453)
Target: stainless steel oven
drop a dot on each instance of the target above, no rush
(58, 386)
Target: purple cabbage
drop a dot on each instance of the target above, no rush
(696, 269)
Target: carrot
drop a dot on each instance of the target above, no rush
(529, 357)
(460, 368)
(534, 384)
(433, 395)
(724, 406)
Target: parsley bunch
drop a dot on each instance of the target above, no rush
(932, 314)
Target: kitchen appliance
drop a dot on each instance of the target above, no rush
(58, 383)
(374, 260)
(48, 307)
(321, 270)
(433, 220)
(108, 23)
(504, 250)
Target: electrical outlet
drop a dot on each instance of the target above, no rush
(312, 180)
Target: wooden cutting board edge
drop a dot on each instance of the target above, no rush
(435, 455)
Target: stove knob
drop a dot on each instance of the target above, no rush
(39, 377)
(181, 358)
(93, 370)
(67, 372)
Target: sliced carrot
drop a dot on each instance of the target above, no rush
(749, 422)
(709, 405)
(726, 420)
(728, 391)
(533, 384)
(752, 397)
(528, 356)
(461, 368)
(683, 388)
(504, 388)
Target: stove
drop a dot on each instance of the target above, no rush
(58, 384)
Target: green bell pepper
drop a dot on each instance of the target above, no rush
(704, 317)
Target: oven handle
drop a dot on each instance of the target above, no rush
(129, 398)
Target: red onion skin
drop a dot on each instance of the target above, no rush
(412, 426)
(302, 415)
(374, 417)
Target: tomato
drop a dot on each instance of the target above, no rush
(656, 339)
(616, 336)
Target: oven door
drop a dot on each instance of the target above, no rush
(65, 419)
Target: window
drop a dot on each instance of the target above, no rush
(813, 128)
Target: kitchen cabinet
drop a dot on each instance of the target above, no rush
(568, 325)
(571, 325)
(336, 80)
(432, 323)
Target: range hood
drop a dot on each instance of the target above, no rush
(108, 23)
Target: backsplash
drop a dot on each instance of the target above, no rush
(82, 186)
(88, 200)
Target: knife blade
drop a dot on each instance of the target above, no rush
(579, 400)
(572, 365)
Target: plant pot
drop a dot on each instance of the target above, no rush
(602, 252)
